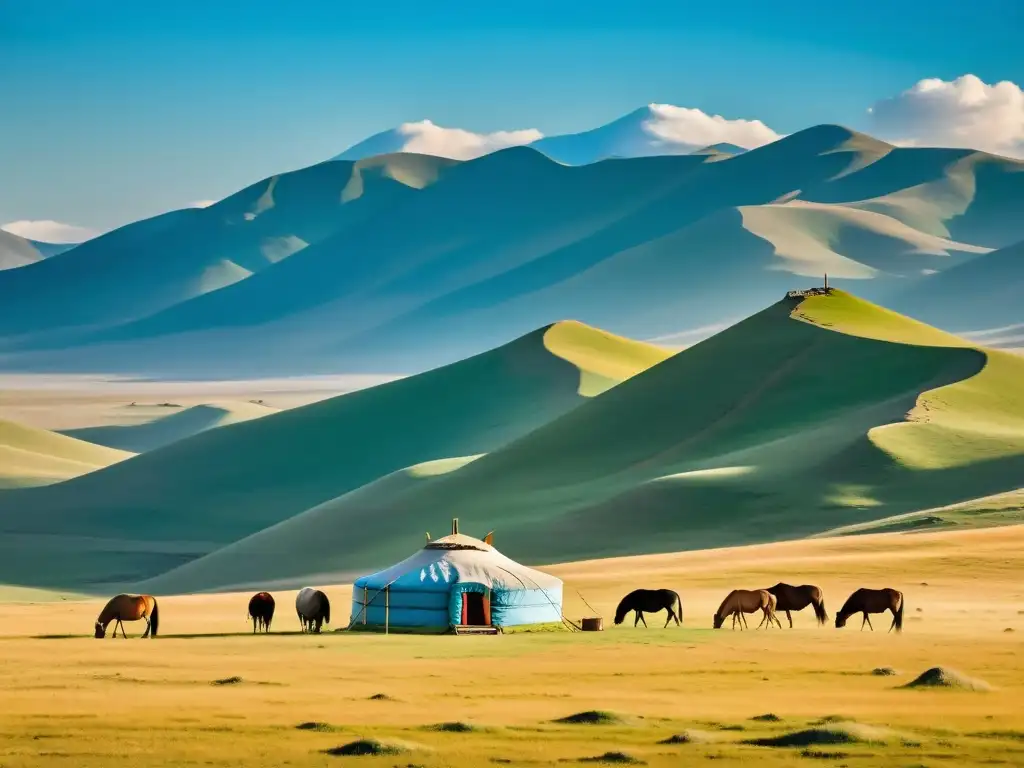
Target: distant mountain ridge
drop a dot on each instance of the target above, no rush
(400, 263)
(645, 132)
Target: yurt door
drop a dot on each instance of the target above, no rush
(476, 609)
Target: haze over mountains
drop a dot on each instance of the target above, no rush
(400, 263)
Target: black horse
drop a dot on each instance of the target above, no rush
(261, 611)
(313, 608)
(650, 601)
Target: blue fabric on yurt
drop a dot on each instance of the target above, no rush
(425, 591)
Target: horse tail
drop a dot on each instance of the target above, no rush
(898, 615)
(154, 619)
(819, 610)
(327, 608)
(679, 605)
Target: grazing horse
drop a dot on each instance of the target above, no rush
(741, 601)
(867, 601)
(650, 601)
(313, 608)
(129, 608)
(261, 611)
(789, 598)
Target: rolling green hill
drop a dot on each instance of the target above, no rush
(172, 504)
(813, 414)
(35, 457)
(485, 250)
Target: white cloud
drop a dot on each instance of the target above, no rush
(200, 204)
(697, 129)
(47, 231)
(965, 112)
(427, 138)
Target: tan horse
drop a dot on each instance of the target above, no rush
(129, 608)
(867, 601)
(742, 601)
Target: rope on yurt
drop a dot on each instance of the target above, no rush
(366, 603)
(586, 603)
(565, 622)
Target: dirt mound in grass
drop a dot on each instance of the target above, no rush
(592, 717)
(369, 747)
(943, 677)
(838, 733)
(616, 758)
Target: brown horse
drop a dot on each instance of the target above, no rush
(129, 608)
(873, 601)
(741, 601)
(261, 611)
(789, 598)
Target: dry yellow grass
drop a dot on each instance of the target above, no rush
(82, 702)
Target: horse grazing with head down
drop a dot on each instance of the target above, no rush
(867, 601)
(313, 608)
(261, 611)
(743, 601)
(129, 608)
(789, 598)
(650, 601)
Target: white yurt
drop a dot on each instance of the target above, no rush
(455, 583)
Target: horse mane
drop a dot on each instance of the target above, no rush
(728, 599)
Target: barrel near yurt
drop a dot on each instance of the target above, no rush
(592, 624)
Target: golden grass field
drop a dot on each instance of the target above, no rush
(68, 699)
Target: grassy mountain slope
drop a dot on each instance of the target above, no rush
(813, 414)
(164, 430)
(512, 240)
(222, 484)
(34, 457)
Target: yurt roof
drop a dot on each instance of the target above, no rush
(458, 558)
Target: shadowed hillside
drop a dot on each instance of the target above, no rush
(493, 247)
(171, 504)
(164, 430)
(145, 267)
(986, 294)
(813, 414)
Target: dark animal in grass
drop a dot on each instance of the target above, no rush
(261, 611)
(313, 609)
(129, 608)
(789, 598)
(868, 601)
(650, 601)
(743, 601)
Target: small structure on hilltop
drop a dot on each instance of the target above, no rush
(824, 291)
(455, 584)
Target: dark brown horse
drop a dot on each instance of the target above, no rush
(789, 598)
(650, 601)
(129, 608)
(867, 601)
(743, 601)
(261, 611)
(313, 609)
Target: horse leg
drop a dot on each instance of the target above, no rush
(743, 620)
(123, 633)
(148, 627)
(636, 619)
(863, 622)
(868, 620)
(643, 619)
(671, 615)
(764, 618)
(790, 617)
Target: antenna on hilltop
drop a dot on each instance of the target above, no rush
(826, 281)
(455, 525)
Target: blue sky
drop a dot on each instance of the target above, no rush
(112, 111)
